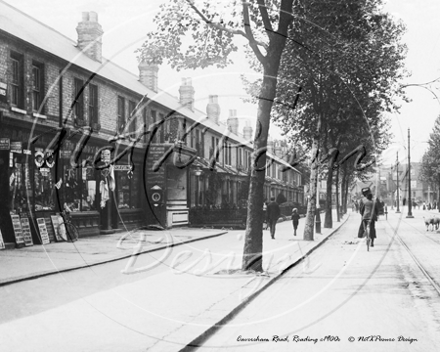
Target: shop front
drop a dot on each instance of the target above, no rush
(38, 182)
(167, 170)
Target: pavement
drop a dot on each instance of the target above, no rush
(35, 261)
(193, 300)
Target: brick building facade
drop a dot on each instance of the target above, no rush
(77, 130)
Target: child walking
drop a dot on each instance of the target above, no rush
(295, 220)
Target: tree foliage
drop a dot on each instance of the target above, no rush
(339, 74)
(199, 33)
(430, 168)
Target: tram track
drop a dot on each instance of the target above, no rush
(404, 244)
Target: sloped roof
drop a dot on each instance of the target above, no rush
(34, 32)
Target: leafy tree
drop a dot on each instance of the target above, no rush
(345, 59)
(430, 168)
(212, 27)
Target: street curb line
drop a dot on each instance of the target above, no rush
(109, 260)
(195, 343)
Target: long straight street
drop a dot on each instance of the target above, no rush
(338, 292)
(344, 298)
(173, 296)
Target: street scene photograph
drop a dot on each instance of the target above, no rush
(225, 175)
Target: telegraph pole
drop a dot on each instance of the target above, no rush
(409, 179)
(390, 181)
(397, 172)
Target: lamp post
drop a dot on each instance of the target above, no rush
(390, 178)
(397, 172)
(198, 173)
(409, 179)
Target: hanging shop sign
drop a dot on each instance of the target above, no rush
(45, 171)
(5, 143)
(122, 167)
(17, 147)
(39, 159)
(50, 160)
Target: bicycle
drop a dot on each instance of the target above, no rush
(367, 233)
(67, 230)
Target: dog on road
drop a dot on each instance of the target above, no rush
(431, 223)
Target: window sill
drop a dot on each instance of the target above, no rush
(20, 111)
(39, 116)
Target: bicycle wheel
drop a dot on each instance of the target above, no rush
(72, 232)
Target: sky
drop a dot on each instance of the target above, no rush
(125, 24)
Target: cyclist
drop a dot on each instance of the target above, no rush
(369, 209)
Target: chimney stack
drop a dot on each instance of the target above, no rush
(233, 122)
(90, 36)
(148, 75)
(270, 147)
(247, 131)
(186, 91)
(213, 109)
(277, 150)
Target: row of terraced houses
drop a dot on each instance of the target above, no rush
(78, 130)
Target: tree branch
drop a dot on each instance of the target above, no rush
(265, 16)
(250, 36)
(224, 28)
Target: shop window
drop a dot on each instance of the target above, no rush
(20, 189)
(44, 182)
(93, 106)
(79, 101)
(37, 87)
(121, 114)
(128, 189)
(17, 84)
(80, 188)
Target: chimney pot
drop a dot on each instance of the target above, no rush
(148, 75)
(186, 91)
(213, 109)
(233, 121)
(247, 131)
(90, 36)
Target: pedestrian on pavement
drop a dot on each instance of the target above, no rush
(369, 210)
(295, 220)
(273, 213)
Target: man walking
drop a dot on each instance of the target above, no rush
(273, 213)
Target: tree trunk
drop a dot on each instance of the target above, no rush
(311, 204)
(337, 195)
(343, 194)
(328, 222)
(253, 243)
